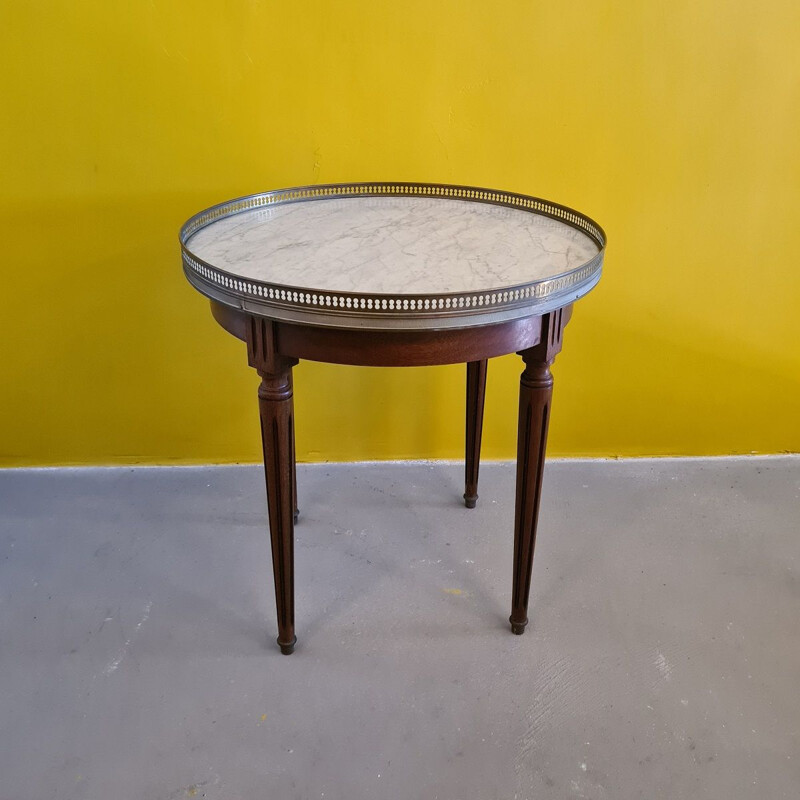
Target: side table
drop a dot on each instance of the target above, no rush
(395, 274)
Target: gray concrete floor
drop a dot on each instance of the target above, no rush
(137, 654)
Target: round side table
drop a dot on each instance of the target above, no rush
(395, 274)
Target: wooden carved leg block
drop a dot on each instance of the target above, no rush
(277, 436)
(535, 396)
(476, 390)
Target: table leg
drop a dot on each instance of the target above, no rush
(276, 409)
(277, 436)
(535, 395)
(476, 390)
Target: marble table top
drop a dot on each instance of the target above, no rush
(392, 255)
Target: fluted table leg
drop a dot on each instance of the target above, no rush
(476, 390)
(276, 409)
(535, 396)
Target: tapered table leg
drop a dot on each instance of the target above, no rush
(277, 434)
(476, 390)
(535, 396)
(276, 409)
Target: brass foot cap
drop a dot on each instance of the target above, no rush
(287, 649)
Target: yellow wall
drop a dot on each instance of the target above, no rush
(676, 125)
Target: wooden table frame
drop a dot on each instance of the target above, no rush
(274, 348)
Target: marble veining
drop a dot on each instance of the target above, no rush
(397, 245)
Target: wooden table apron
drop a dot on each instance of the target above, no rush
(273, 349)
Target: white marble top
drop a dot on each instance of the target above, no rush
(392, 245)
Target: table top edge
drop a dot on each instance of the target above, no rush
(384, 311)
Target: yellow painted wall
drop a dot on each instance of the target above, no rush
(676, 125)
